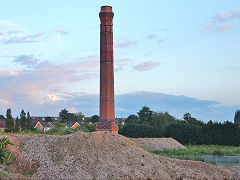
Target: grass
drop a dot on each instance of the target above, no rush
(194, 152)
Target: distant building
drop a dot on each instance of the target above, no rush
(120, 120)
(43, 126)
(41, 118)
(2, 124)
(75, 125)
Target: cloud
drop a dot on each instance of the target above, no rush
(62, 32)
(176, 105)
(26, 60)
(127, 104)
(13, 33)
(152, 36)
(227, 16)
(221, 21)
(8, 73)
(122, 63)
(23, 39)
(45, 82)
(146, 66)
(155, 37)
(216, 28)
(125, 43)
(54, 98)
(8, 27)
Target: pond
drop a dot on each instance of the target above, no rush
(221, 160)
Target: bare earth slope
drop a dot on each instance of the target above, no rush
(158, 143)
(103, 155)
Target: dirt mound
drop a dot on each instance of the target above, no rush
(158, 143)
(103, 155)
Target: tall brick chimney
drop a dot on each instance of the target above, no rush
(107, 107)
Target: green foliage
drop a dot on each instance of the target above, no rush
(59, 129)
(145, 115)
(30, 132)
(90, 127)
(23, 120)
(132, 119)
(4, 154)
(64, 115)
(17, 125)
(69, 118)
(162, 119)
(86, 128)
(29, 124)
(87, 119)
(94, 118)
(2, 117)
(9, 123)
(187, 117)
(237, 117)
(140, 130)
(79, 117)
(186, 131)
(195, 152)
(82, 129)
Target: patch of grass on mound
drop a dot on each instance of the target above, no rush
(194, 152)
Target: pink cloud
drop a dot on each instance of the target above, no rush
(220, 22)
(227, 16)
(45, 81)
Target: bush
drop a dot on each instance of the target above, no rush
(4, 154)
(140, 131)
(86, 128)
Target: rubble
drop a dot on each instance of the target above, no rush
(103, 155)
(158, 143)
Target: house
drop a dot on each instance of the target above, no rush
(120, 120)
(2, 124)
(43, 126)
(75, 125)
(40, 118)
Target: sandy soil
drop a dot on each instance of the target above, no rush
(101, 155)
(158, 143)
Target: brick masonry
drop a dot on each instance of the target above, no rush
(107, 106)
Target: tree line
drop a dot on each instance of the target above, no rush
(22, 123)
(68, 118)
(188, 130)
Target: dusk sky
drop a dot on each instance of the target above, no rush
(175, 56)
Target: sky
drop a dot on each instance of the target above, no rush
(182, 55)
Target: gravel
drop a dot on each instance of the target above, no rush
(158, 143)
(103, 155)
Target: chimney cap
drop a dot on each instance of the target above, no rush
(106, 9)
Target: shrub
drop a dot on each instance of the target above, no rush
(4, 154)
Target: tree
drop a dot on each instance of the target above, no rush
(132, 119)
(145, 115)
(29, 123)
(23, 120)
(9, 123)
(191, 120)
(237, 117)
(17, 125)
(64, 115)
(2, 117)
(94, 118)
(79, 116)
